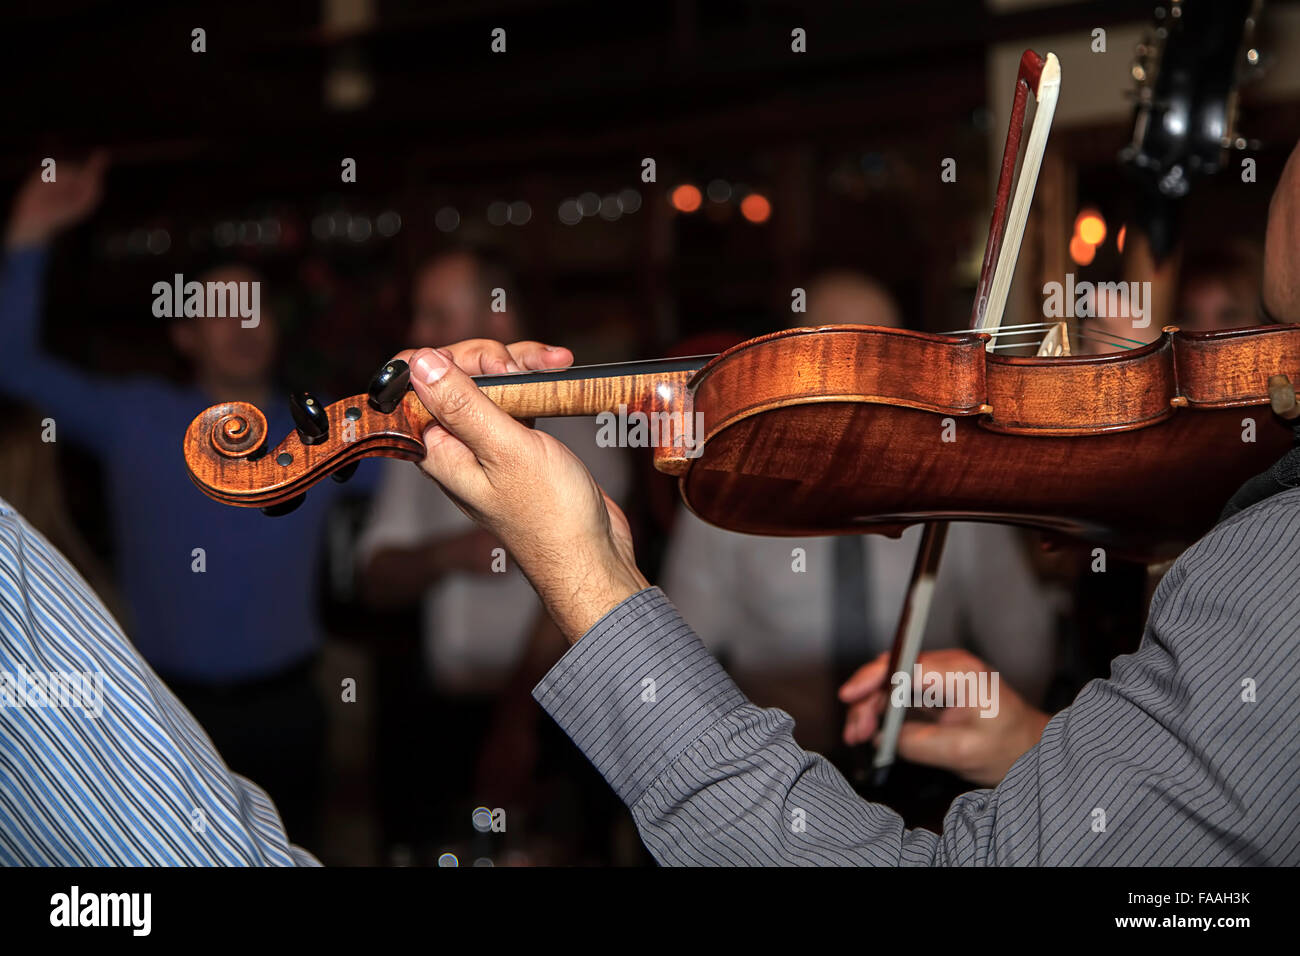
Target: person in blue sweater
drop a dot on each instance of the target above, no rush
(222, 600)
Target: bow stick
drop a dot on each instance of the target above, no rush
(1040, 76)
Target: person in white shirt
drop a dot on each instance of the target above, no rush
(482, 625)
(766, 606)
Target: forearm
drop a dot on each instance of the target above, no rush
(22, 277)
(710, 778)
(28, 373)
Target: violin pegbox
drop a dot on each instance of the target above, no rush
(227, 455)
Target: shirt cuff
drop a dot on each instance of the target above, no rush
(636, 691)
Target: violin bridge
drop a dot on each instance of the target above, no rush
(1056, 342)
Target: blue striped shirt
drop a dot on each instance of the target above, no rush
(100, 764)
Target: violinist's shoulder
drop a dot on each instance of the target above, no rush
(1283, 502)
(1260, 538)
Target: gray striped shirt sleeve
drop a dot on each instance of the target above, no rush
(1186, 755)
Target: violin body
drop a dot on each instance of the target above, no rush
(861, 429)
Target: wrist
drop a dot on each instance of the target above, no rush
(577, 599)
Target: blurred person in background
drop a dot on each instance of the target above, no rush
(142, 783)
(788, 642)
(1230, 286)
(486, 640)
(223, 601)
(1211, 288)
(1216, 289)
(1219, 289)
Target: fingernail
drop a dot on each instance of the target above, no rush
(512, 367)
(431, 365)
(552, 348)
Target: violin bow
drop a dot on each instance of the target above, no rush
(1040, 76)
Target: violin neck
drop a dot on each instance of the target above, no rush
(658, 385)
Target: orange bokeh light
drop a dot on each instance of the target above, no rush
(755, 208)
(1119, 240)
(686, 198)
(1082, 252)
(1090, 227)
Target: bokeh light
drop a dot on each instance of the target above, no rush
(1082, 252)
(686, 198)
(756, 208)
(1090, 227)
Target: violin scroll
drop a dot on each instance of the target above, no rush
(234, 429)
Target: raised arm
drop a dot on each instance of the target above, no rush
(40, 211)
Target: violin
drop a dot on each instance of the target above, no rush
(858, 429)
(852, 429)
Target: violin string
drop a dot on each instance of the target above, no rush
(1029, 345)
(1121, 345)
(1117, 341)
(1084, 336)
(1005, 328)
(1033, 328)
(1029, 328)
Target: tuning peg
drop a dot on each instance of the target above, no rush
(284, 507)
(344, 473)
(389, 385)
(309, 415)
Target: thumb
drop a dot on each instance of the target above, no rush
(461, 408)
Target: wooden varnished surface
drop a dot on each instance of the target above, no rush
(1137, 450)
(226, 459)
(855, 428)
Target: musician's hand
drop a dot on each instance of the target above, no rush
(527, 488)
(41, 209)
(487, 357)
(981, 749)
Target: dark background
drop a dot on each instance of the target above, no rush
(235, 153)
